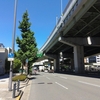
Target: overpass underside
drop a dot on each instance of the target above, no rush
(79, 39)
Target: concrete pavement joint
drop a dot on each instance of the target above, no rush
(3, 89)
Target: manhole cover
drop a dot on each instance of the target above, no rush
(49, 83)
(41, 83)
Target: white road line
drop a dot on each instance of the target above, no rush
(63, 77)
(61, 85)
(89, 84)
(48, 78)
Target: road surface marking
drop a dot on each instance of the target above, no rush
(48, 78)
(63, 77)
(89, 84)
(61, 85)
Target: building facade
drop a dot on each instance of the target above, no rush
(3, 56)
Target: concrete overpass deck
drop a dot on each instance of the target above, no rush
(87, 25)
(77, 31)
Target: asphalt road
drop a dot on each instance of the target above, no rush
(49, 86)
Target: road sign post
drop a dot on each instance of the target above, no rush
(11, 59)
(27, 66)
(13, 44)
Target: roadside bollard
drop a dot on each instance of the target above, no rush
(15, 87)
(18, 84)
(14, 90)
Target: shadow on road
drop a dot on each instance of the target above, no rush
(31, 78)
(92, 75)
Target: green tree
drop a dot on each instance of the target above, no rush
(27, 44)
(17, 65)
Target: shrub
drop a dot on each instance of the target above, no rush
(21, 77)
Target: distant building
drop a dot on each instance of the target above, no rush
(98, 58)
(93, 59)
(1, 45)
(3, 56)
(9, 50)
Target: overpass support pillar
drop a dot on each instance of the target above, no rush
(50, 64)
(56, 64)
(79, 59)
(72, 63)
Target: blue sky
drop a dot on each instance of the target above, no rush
(42, 14)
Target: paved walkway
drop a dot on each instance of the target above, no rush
(5, 94)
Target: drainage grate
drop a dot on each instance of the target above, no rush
(41, 83)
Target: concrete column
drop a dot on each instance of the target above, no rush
(72, 63)
(56, 64)
(50, 64)
(79, 59)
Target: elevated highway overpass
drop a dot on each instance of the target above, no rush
(76, 35)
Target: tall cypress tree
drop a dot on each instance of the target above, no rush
(27, 44)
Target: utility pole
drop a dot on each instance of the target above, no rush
(61, 13)
(13, 45)
(61, 8)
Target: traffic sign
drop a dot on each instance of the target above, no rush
(39, 54)
(10, 57)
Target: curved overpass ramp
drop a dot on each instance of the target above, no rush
(77, 33)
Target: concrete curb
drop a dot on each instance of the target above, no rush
(20, 95)
(22, 91)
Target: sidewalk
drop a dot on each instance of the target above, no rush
(5, 94)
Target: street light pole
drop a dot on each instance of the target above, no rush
(14, 28)
(13, 45)
(61, 7)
